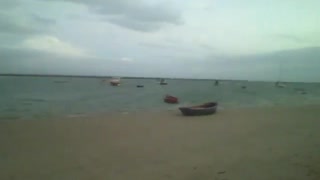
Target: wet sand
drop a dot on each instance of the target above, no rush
(245, 144)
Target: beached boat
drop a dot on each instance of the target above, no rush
(115, 82)
(171, 99)
(204, 109)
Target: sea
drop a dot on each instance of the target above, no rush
(24, 97)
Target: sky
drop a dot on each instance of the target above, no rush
(219, 39)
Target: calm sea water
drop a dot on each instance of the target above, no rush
(45, 97)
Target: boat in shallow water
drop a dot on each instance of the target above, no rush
(204, 109)
(171, 99)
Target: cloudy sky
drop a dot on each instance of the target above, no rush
(231, 39)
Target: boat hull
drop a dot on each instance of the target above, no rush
(205, 109)
(114, 83)
(171, 99)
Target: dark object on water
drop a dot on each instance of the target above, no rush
(303, 92)
(140, 86)
(60, 81)
(280, 85)
(300, 90)
(171, 99)
(163, 82)
(204, 109)
(243, 87)
(216, 83)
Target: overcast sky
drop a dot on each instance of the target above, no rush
(231, 39)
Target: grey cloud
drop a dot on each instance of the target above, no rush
(135, 15)
(24, 61)
(19, 60)
(31, 24)
(9, 4)
(19, 22)
(28, 61)
(134, 24)
(289, 37)
(295, 65)
(43, 20)
(139, 11)
(7, 25)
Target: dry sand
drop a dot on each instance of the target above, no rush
(245, 144)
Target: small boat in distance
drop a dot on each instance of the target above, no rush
(163, 82)
(115, 82)
(171, 99)
(279, 84)
(216, 83)
(204, 109)
(140, 86)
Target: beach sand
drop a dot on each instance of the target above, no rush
(238, 144)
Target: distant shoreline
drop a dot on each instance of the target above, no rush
(132, 77)
(95, 76)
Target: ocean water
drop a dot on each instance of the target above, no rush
(45, 97)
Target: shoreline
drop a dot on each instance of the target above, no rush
(169, 111)
(261, 143)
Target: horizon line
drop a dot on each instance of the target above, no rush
(137, 77)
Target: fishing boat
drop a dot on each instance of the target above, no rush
(204, 109)
(163, 82)
(280, 84)
(115, 82)
(171, 99)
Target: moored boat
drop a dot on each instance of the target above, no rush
(204, 109)
(115, 82)
(171, 99)
(280, 84)
(216, 83)
(163, 82)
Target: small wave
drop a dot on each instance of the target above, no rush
(26, 103)
(11, 109)
(32, 100)
(60, 81)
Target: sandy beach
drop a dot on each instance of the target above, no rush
(236, 144)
